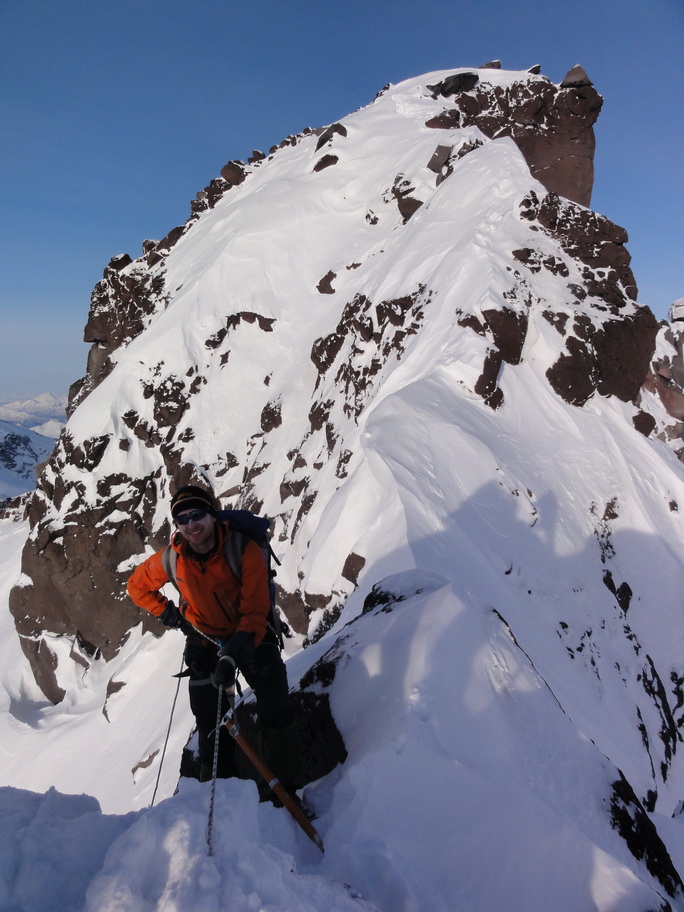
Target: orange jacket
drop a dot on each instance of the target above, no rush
(212, 598)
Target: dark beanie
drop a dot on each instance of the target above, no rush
(191, 498)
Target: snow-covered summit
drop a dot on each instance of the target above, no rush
(251, 348)
(407, 339)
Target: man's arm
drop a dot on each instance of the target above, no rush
(145, 583)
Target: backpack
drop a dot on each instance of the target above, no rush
(245, 527)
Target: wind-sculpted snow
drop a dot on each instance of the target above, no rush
(60, 852)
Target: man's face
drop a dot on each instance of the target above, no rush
(197, 528)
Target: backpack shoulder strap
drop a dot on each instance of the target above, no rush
(233, 548)
(169, 560)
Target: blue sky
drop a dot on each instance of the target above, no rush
(114, 114)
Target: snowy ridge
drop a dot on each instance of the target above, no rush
(492, 574)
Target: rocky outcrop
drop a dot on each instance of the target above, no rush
(321, 744)
(608, 341)
(21, 453)
(611, 355)
(664, 385)
(551, 125)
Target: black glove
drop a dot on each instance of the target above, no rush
(240, 648)
(171, 616)
(224, 673)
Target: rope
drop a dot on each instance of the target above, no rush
(214, 771)
(168, 734)
(206, 635)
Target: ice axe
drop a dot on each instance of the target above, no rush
(231, 724)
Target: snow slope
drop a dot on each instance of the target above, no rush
(508, 673)
(460, 757)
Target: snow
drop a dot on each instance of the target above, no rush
(430, 686)
(493, 696)
(60, 852)
(51, 428)
(21, 450)
(28, 430)
(47, 409)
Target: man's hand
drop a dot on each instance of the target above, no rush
(240, 647)
(171, 616)
(224, 673)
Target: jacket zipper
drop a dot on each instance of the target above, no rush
(228, 614)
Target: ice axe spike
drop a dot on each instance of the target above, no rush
(230, 722)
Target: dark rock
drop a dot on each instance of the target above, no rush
(576, 78)
(43, 664)
(612, 360)
(452, 85)
(119, 262)
(121, 302)
(271, 416)
(318, 413)
(322, 746)
(325, 162)
(170, 402)
(171, 239)
(293, 488)
(325, 350)
(296, 606)
(325, 286)
(439, 158)
(408, 204)
(623, 593)
(509, 330)
(341, 467)
(234, 173)
(329, 134)
(630, 820)
(447, 120)
(487, 384)
(471, 322)
(353, 565)
(670, 394)
(89, 455)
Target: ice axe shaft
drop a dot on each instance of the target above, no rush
(274, 783)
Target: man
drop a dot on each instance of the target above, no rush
(226, 623)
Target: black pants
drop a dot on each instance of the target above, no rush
(265, 674)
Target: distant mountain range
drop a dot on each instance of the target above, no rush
(45, 414)
(28, 430)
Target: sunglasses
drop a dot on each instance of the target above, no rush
(195, 516)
